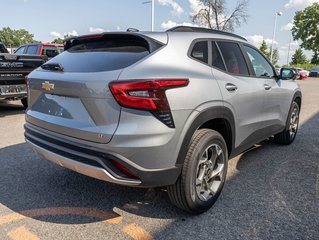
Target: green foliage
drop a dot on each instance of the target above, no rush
(60, 40)
(298, 57)
(306, 66)
(315, 58)
(264, 49)
(275, 55)
(16, 38)
(306, 28)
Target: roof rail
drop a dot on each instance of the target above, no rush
(203, 30)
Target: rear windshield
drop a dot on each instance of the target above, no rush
(103, 54)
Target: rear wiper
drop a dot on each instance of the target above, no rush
(53, 67)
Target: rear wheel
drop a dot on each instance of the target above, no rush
(289, 134)
(203, 174)
(24, 102)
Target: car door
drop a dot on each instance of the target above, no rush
(275, 105)
(241, 93)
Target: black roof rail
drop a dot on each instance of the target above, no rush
(203, 30)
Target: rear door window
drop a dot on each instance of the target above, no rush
(217, 60)
(234, 58)
(32, 49)
(200, 51)
(108, 53)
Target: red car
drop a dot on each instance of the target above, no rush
(300, 75)
(48, 49)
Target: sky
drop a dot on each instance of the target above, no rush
(48, 19)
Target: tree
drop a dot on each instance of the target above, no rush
(214, 14)
(275, 56)
(315, 58)
(264, 49)
(306, 28)
(298, 57)
(16, 38)
(60, 40)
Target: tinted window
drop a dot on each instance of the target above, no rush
(261, 66)
(20, 50)
(33, 49)
(50, 51)
(200, 51)
(216, 58)
(105, 54)
(233, 57)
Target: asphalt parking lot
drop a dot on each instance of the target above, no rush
(272, 192)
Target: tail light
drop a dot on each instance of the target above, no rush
(147, 95)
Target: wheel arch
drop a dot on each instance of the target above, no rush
(220, 119)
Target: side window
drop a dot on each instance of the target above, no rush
(261, 66)
(217, 60)
(20, 50)
(33, 49)
(234, 58)
(200, 51)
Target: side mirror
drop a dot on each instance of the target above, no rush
(288, 74)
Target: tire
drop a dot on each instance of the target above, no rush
(287, 136)
(189, 192)
(24, 102)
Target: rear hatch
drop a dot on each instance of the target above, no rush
(70, 94)
(13, 71)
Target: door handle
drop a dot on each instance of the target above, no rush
(231, 87)
(267, 87)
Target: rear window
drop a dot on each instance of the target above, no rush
(200, 51)
(103, 54)
(51, 51)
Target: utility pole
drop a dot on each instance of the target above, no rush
(288, 52)
(274, 33)
(152, 2)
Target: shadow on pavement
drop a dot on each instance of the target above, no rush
(272, 193)
(10, 108)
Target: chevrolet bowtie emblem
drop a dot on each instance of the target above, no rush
(47, 86)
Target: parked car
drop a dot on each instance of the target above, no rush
(42, 49)
(314, 72)
(301, 70)
(301, 75)
(13, 71)
(161, 109)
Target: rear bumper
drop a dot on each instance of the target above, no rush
(94, 163)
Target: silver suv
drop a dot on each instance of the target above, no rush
(159, 109)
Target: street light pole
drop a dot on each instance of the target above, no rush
(288, 53)
(274, 34)
(152, 2)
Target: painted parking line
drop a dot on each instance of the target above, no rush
(136, 232)
(21, 233)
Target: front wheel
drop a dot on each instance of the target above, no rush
(203, 173)
(288, 135)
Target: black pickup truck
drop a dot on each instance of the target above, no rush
(13, 72)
